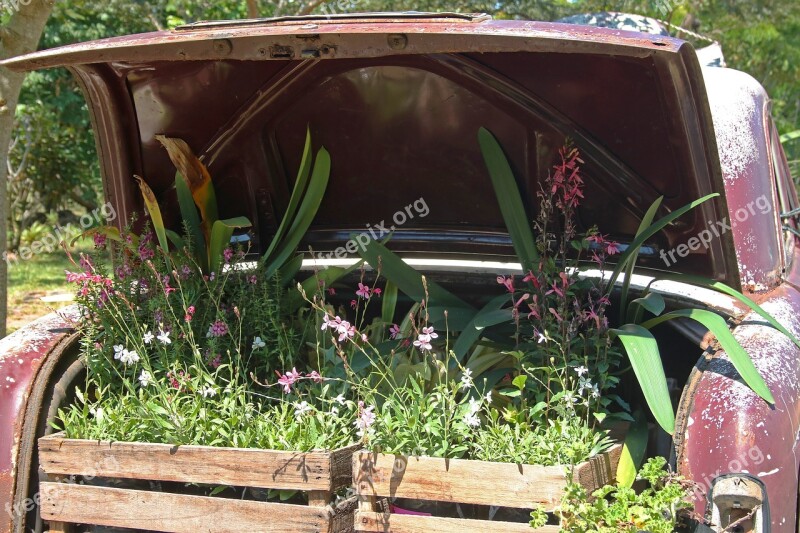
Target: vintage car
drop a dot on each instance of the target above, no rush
(397, 99)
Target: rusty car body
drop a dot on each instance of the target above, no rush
(397, 99)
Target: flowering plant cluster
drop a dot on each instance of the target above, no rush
(206, 348)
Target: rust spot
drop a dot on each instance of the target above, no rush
(6, 497)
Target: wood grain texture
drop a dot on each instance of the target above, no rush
(197, 464)
(367, 522)
(175, 513)
(474, 482)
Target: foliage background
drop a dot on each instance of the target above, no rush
(55, 166)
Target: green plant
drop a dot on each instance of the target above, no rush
(639, 344)
(618, 509)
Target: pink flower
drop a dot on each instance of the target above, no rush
(377, 291)
(332, 291)
(508, 281)
(227, 254)
(288, 379)
(145, 252)
(366, 417)
(353, 304)
(217, 329)
(555, 289)
(423, 341)
(612, 248)
(345, 330)
(394, 331)
(363, 291)
(555, 314)
(99, 240)
(252, 279)
(314, 375)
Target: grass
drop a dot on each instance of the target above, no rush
(29, 281)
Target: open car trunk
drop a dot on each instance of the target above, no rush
(397, 100)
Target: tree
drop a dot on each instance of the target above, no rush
(18, 35)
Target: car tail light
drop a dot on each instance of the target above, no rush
(738, 503)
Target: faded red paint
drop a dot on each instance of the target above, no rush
(21, 356)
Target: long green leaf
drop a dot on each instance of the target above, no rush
(652, 302)
(633, 450)
(719, 328)
(389, 303)
(176, 240)
(300, 185)
(191, 218)
(645, 358)
(791, 136)
(154, 210)
(654, 228)
(408, 280)
(647, 220)
(472, 332)
(508, 196)
(325, 277)
(197, 179)
(221, 233)
(290, 269)
(730, 291)
(306, 212)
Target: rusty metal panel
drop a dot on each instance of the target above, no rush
(22, 354)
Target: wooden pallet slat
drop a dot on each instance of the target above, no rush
(238, 467)
(375, 522)
(465, 481)
(319, 473)
(174, 513)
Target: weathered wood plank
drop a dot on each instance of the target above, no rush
(175, 513)
(397, 523)
(197, 464)
(475, 482)
(599, 470)
(458, 480)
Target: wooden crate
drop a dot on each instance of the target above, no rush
(319, 474)
(462, 481)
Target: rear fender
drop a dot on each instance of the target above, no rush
(26, 357)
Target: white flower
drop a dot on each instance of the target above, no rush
(163, 337)
(258, 343)
(340, 399)
(570, 398)
(145, 378)
(581, 370)
(334, 411)
(472, 420)
(98, 413)
(118, 351)
(541, 339)
(208, 391)
(466, 379)
(300, 409)
(489, 397)
(474, 405)
(148, 337)
(128, 357)
(595, 391)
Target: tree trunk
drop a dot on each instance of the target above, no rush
(19, 35)
(252, 9)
